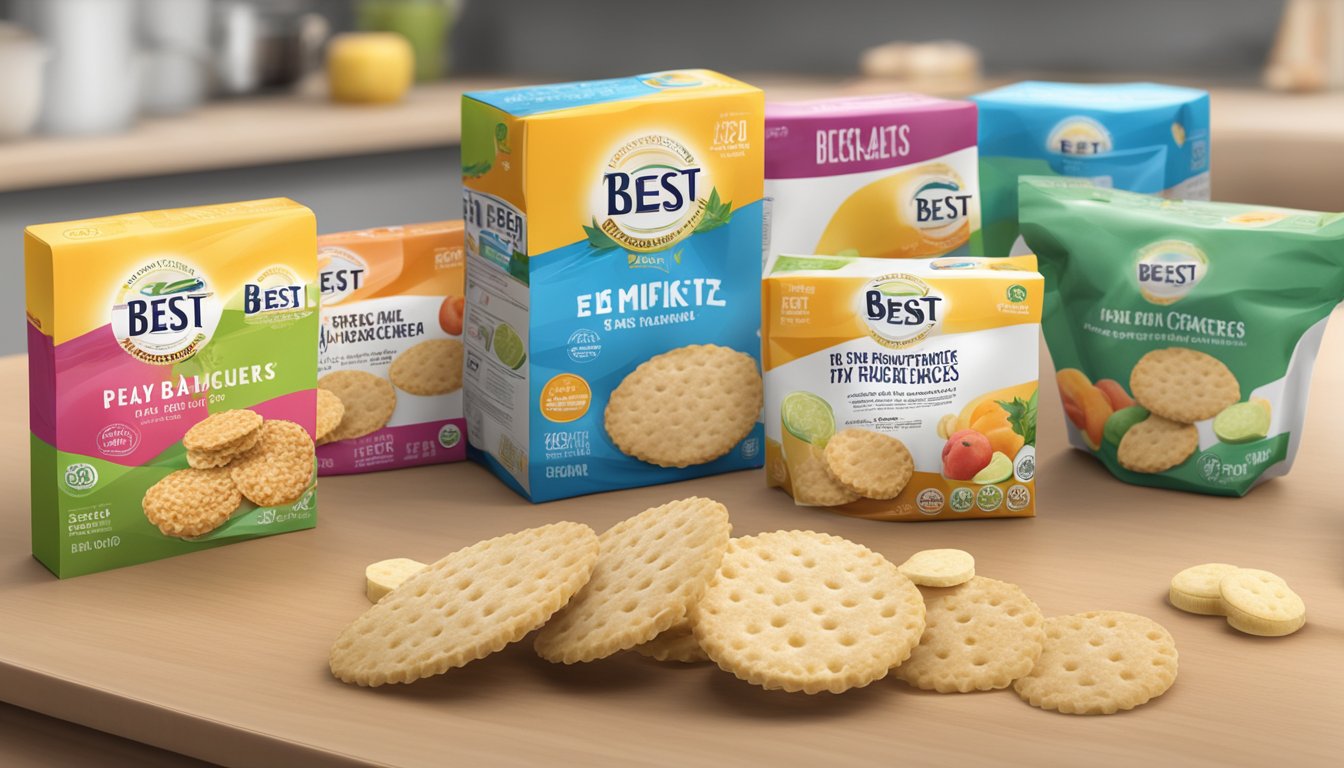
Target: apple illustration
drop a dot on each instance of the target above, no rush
(966, 453)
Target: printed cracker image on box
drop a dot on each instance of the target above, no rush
(171, 375)
(1184, 340)
(390, 350)
(888, 176)
(613, 281)
(1140, 137)
(906, 390)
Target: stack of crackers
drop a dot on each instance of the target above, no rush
(796, 611)
(1178, 387)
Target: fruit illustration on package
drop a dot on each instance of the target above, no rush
(450, 314)
(1087, 405)
(965, 454)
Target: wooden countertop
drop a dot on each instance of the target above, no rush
(221, 655)
(1270, 148)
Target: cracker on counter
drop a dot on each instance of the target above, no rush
(368, 399)
(192, 502)
(1157, 444)
(1261, 603)
(676, 643)
(278, 470)
(466, 606)
(871, 464)
(939, 567)
(1195, 589)
(382, 577)
(687, 406)
(1100, 663)
(653, 567)
(432, 367)
(979, 636)
(807, 612)
(1183, 385)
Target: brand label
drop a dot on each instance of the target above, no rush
(938, 205)
(275, 290)
(165, 312)
(837, 146)
(1168, 270)
(1079, 136)
(342, 274)
(900, 310)
(653, 194)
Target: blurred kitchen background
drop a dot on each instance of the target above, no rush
(351, 106)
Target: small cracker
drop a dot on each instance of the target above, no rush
(814, 486)
(869, 463)
(1157, 444)
(1099, 663)
(277, 471)
(1261, 603)
(809, 612)
(222, 457)
(1195, 589)
(466, 606)
(676, 643)
(687, 406)
(653, 567)
(219, 430)
(369, 401)
(330, 411)
(191, 502)
(432, 367)
(1183, 385)
(979, 636)
(939, 567)
(382, 577)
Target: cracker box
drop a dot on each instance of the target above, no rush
(903, 390)
(171, 371)
(613, 281)
(1140, 137)
(887, 176)
(1185, 338)
(390, 351)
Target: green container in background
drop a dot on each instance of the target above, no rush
(425, 23)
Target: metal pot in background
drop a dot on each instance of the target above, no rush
(23, 61)
(262, 45)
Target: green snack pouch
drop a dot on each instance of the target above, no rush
(1208, 316)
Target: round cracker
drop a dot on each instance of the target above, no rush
(939, 567)
(218, 430)
(432, 367)
(687, 406)
(1100, 663)
(330, 411)
(1261, 603)
(191, 502)
(676, 643)
(869, 463)
(805, 611)
(813, 486)
(277, 471)
(1195, 589)
(368, 399)
(222, 457)
(1183, 384)
(978, 636)
(652, 568)
(466, 606)
(1157, 444)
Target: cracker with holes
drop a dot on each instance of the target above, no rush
(219, 438)
(279, 468)
(1195, 589)
(1100, 663)
(191, 502)
(1261, 603)
(1183, 385)
(807, 612)
(676, 643)
(653, 567)
(687, 406)
(868, 463)
(382, 577)
(978, 636)
(1157, 444)
(939, 567)
(432, 367)
(466, 606)
(368, 402)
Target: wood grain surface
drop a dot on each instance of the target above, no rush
(221, 655)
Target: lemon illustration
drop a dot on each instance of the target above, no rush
(1241, 423)
(999, 469)
(807, 417)
(509, 347)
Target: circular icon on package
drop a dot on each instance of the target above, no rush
(80, 478)
(1017, 293)
(750, 448)
(989, 498)
(583, 346)
(118, 440)
(450, 435)
(962, 499)
(1024, 467)
(930, 501)
(1019, 496)
(1210, 466)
